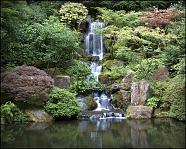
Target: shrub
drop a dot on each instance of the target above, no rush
(62, 104)
(72, 13)
(145, 69)
(11, 113)
(174, 97)
(79, 70)
(160, 18)
(153, 102)
(86, 86)
(119, 18)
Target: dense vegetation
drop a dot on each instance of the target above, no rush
(47, 35)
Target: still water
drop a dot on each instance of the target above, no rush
(108, 133)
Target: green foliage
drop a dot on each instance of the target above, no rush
(72, 13)
(139, 5)
(145, 69)
(91, 103)
(127, 55)
(86, 86)
(119, 18)
(79, 70)
(62, 104)
(43, 44)
(174, 97)
(11, 113)
(153, 102)
(171, 56)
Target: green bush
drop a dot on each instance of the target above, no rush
(145, 69)
(119, 18)
(72, 13)
(79, 70)
(11, 113)
(62, 104)
(153, 102)
(86, 86)
(174, 97)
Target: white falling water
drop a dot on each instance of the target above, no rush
(94, 46)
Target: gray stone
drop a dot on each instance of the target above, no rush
(62, 81)
(139, 92)
(161, 73)
(139, 112)
(127, 80)
(38, 115)
(125, 94)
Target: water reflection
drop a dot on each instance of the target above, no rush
(107, 133)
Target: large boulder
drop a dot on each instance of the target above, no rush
(26, 83)
(38, 115)
(62, 81)
(121, 99)
(127, 80)
(139, 92)
(139, 112)
(161, 73)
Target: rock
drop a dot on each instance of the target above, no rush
(82, 102)
(95, 59)
(127, 80)
(39, 115)
(26, 83)
(113, 88)
(104, 78)
(139, 112)
(62, 81)
(139, 92)
(161, 73)
(121, 99)
(125, 94)
(91, 103)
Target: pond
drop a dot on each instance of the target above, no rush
(109, 133)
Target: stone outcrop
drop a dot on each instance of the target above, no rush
(26, 83)
(161, 73)
(62, 81)
(139, 112)
(139, 92)
(104, 78)
(39, 115)
(127, 80)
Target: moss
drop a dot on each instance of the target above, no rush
(119, 102)
(91, 103)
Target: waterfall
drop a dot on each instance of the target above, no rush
(94, 46)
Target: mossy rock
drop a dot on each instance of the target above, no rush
(104, 78)
(110, 63)
(91, 103)
(119, 102)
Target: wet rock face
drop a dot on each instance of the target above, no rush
(139, 92)
(26, 83)
(62, 81)
(39, 115)
(139, 112)
(161, 73)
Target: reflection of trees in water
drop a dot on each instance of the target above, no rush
(82, 134)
